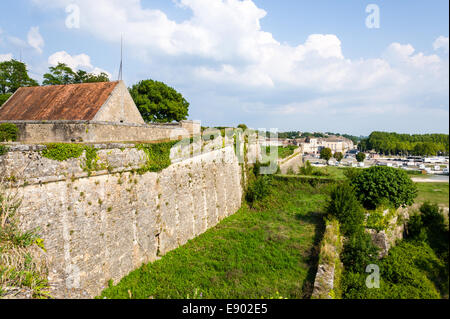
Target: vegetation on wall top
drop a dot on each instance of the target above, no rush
(3, 150)
(158, 156)
(62, 152)
(8, 132)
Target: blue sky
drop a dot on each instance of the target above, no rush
(288, 64)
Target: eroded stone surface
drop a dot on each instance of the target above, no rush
(102, 227)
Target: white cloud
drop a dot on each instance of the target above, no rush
(75, 62)
(98, 70)
(5, 57)
(35, 39)
(441, 43)
(222, 47)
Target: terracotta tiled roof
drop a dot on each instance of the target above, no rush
(75, 102)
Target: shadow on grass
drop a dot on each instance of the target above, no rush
(316, 218)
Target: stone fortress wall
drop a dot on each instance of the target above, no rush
(101, 225)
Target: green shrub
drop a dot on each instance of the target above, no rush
(326, 154)
(8, 132)
(338, 156)
(3, 150)
(258, 188)
(429, 226)
(344, 205)
(158, 156)
(416, 228)
(352, 172)
(17, 266)
(432, 215)
(413, 264)
(353, 285)
(307, 169)
(378, 183)
(62, 152)
(377, 219)
(359, 251)
(360, 157)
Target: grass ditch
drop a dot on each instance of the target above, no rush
(268, 252)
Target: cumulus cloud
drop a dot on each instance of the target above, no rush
(441, 43)
(75, 62)
(223, 47)
(35, 39)
(5, 57)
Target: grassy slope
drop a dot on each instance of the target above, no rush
(434, 192)
(252, 254)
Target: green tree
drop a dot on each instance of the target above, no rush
(378, 184)
(8, 132)
(63, 74)
(360, 157)
(404, 144)
(13, 75)
(338, 156)
(84, 77)
(243, 127)
(325, 153)
(344, 205)
(158, 102)
(4, 98)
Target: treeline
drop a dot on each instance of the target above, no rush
(406, 144)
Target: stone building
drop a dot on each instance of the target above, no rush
(88, 112)
(312, 145)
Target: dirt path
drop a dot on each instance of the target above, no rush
(428, 180)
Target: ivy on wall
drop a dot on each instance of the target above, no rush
(158, 156)
(62, 152)
(3, 150)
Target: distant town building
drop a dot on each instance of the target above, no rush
(313, 145)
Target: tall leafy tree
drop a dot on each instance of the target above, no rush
(63, 74)
(13, 75)
(360, 157)
(338, 156)
(158, 102)
(4, 98)
(325, 153)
